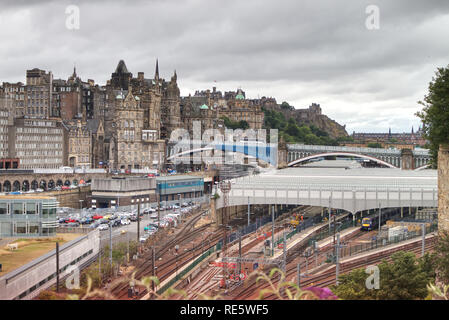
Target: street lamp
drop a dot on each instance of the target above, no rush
(81, 204)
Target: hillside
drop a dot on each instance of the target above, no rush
(311, 117)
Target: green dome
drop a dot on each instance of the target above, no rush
(240, 97)
(204, 107)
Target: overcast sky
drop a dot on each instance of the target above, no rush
(297, 51)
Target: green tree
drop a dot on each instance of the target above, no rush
(435, 114)
(286, 106)
(374, 145)
(405, 278)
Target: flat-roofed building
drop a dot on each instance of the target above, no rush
(179, 186)
(111, 192)
(27, 216)
(38, 143)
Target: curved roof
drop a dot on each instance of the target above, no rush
(204, 107)
(240, 97)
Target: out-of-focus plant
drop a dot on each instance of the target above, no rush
(288, 290)
(436, 291)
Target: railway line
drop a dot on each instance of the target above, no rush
(326, 276)
(207, 281)
(164, 257)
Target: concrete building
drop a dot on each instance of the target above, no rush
(38, 143)
(27, 216)
(111, 192)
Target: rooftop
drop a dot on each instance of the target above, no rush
(177, 177)
(25, 196)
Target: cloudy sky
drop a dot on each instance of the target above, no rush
(298, 51)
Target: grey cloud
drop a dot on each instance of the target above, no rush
(299, 51)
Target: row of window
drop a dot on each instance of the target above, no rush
(56, 146)
(53, 275)
(26, 208)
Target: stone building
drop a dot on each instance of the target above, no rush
(170, 107)
(99, 151)
(239, 109)
(133, 146)
(73, 98)
(411, 138)
(79, 144)
(201, 109)
(38, 94)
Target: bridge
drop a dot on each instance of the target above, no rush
(353, 190)
(200, 151)
(293, 154)
(393, 158)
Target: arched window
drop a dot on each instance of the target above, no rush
(131, 124)
(126, 124)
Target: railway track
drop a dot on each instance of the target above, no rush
(145, 267)
(326, 277)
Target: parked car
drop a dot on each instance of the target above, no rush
(144, 237)
(102, 227)
(116, 223)
(73, 224)
(125, 222)
(94, 225)
(97, 217)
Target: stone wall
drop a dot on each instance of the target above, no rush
(443, 188)
(71, 198)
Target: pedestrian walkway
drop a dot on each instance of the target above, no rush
(330, 239)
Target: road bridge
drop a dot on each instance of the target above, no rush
(394, 158)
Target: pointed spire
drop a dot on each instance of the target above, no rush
(412, 130)
(74, 71)
(175, 76)
(156, 75)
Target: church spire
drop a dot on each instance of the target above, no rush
(156, 75)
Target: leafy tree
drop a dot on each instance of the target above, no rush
(405, 278)
(374, 145)
(435, 114)
(393, 140)
(242, 124)
(293, 132)
(286, 106)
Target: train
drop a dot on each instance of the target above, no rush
(371, 222)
